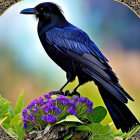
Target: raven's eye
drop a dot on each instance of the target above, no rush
(41, 8)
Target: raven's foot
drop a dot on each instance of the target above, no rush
(75, 93)
(67, 93)
(59, 92)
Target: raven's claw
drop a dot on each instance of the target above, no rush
(75, 93)
(67, 93)
(59, 92)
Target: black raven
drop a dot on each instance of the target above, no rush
(72, 49)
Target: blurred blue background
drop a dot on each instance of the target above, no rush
(25, 65)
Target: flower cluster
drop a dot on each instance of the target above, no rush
(50, 118)
(46, 110)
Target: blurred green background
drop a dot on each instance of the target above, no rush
(25, 65)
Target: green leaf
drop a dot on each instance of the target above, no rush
(98, 114)
(84, 128)
(19, 104)
(17, 126)
(98, 131)
(4, 107)
(68, 137)
(19, 131)
(6, 126)
(12, 112)
(16, 119)
(70, 118)
(10, 121)
(1, 121)
(4, 110)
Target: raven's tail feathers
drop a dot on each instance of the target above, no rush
(115, 100)
(120, 113)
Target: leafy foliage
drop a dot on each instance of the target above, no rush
(11, 119)
(19, 104)
(98, 131)
(4, 108)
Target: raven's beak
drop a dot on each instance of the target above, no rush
(29, 11)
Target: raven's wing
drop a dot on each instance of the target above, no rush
(76, 44)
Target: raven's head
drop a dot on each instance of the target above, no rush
(45, 11)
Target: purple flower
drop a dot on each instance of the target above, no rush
(50, 93)
(24, 112)
(72, 103)
(32, 117)
(62, 99)
(72, 111)
(47, 96)
(30, 105)
(47, 105)
(51, 107)
(51, 101)
(43, 107)
(44, 118)
(25, 119)
(40, 100)
(82, 99)
(89, 103)
(36, 109)
(57, 110)
(35, 101)
(65, 102)
(90, 110)
(75, 98)
(33, 120)
(25, 126)
(50, 118)
(46, 110)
